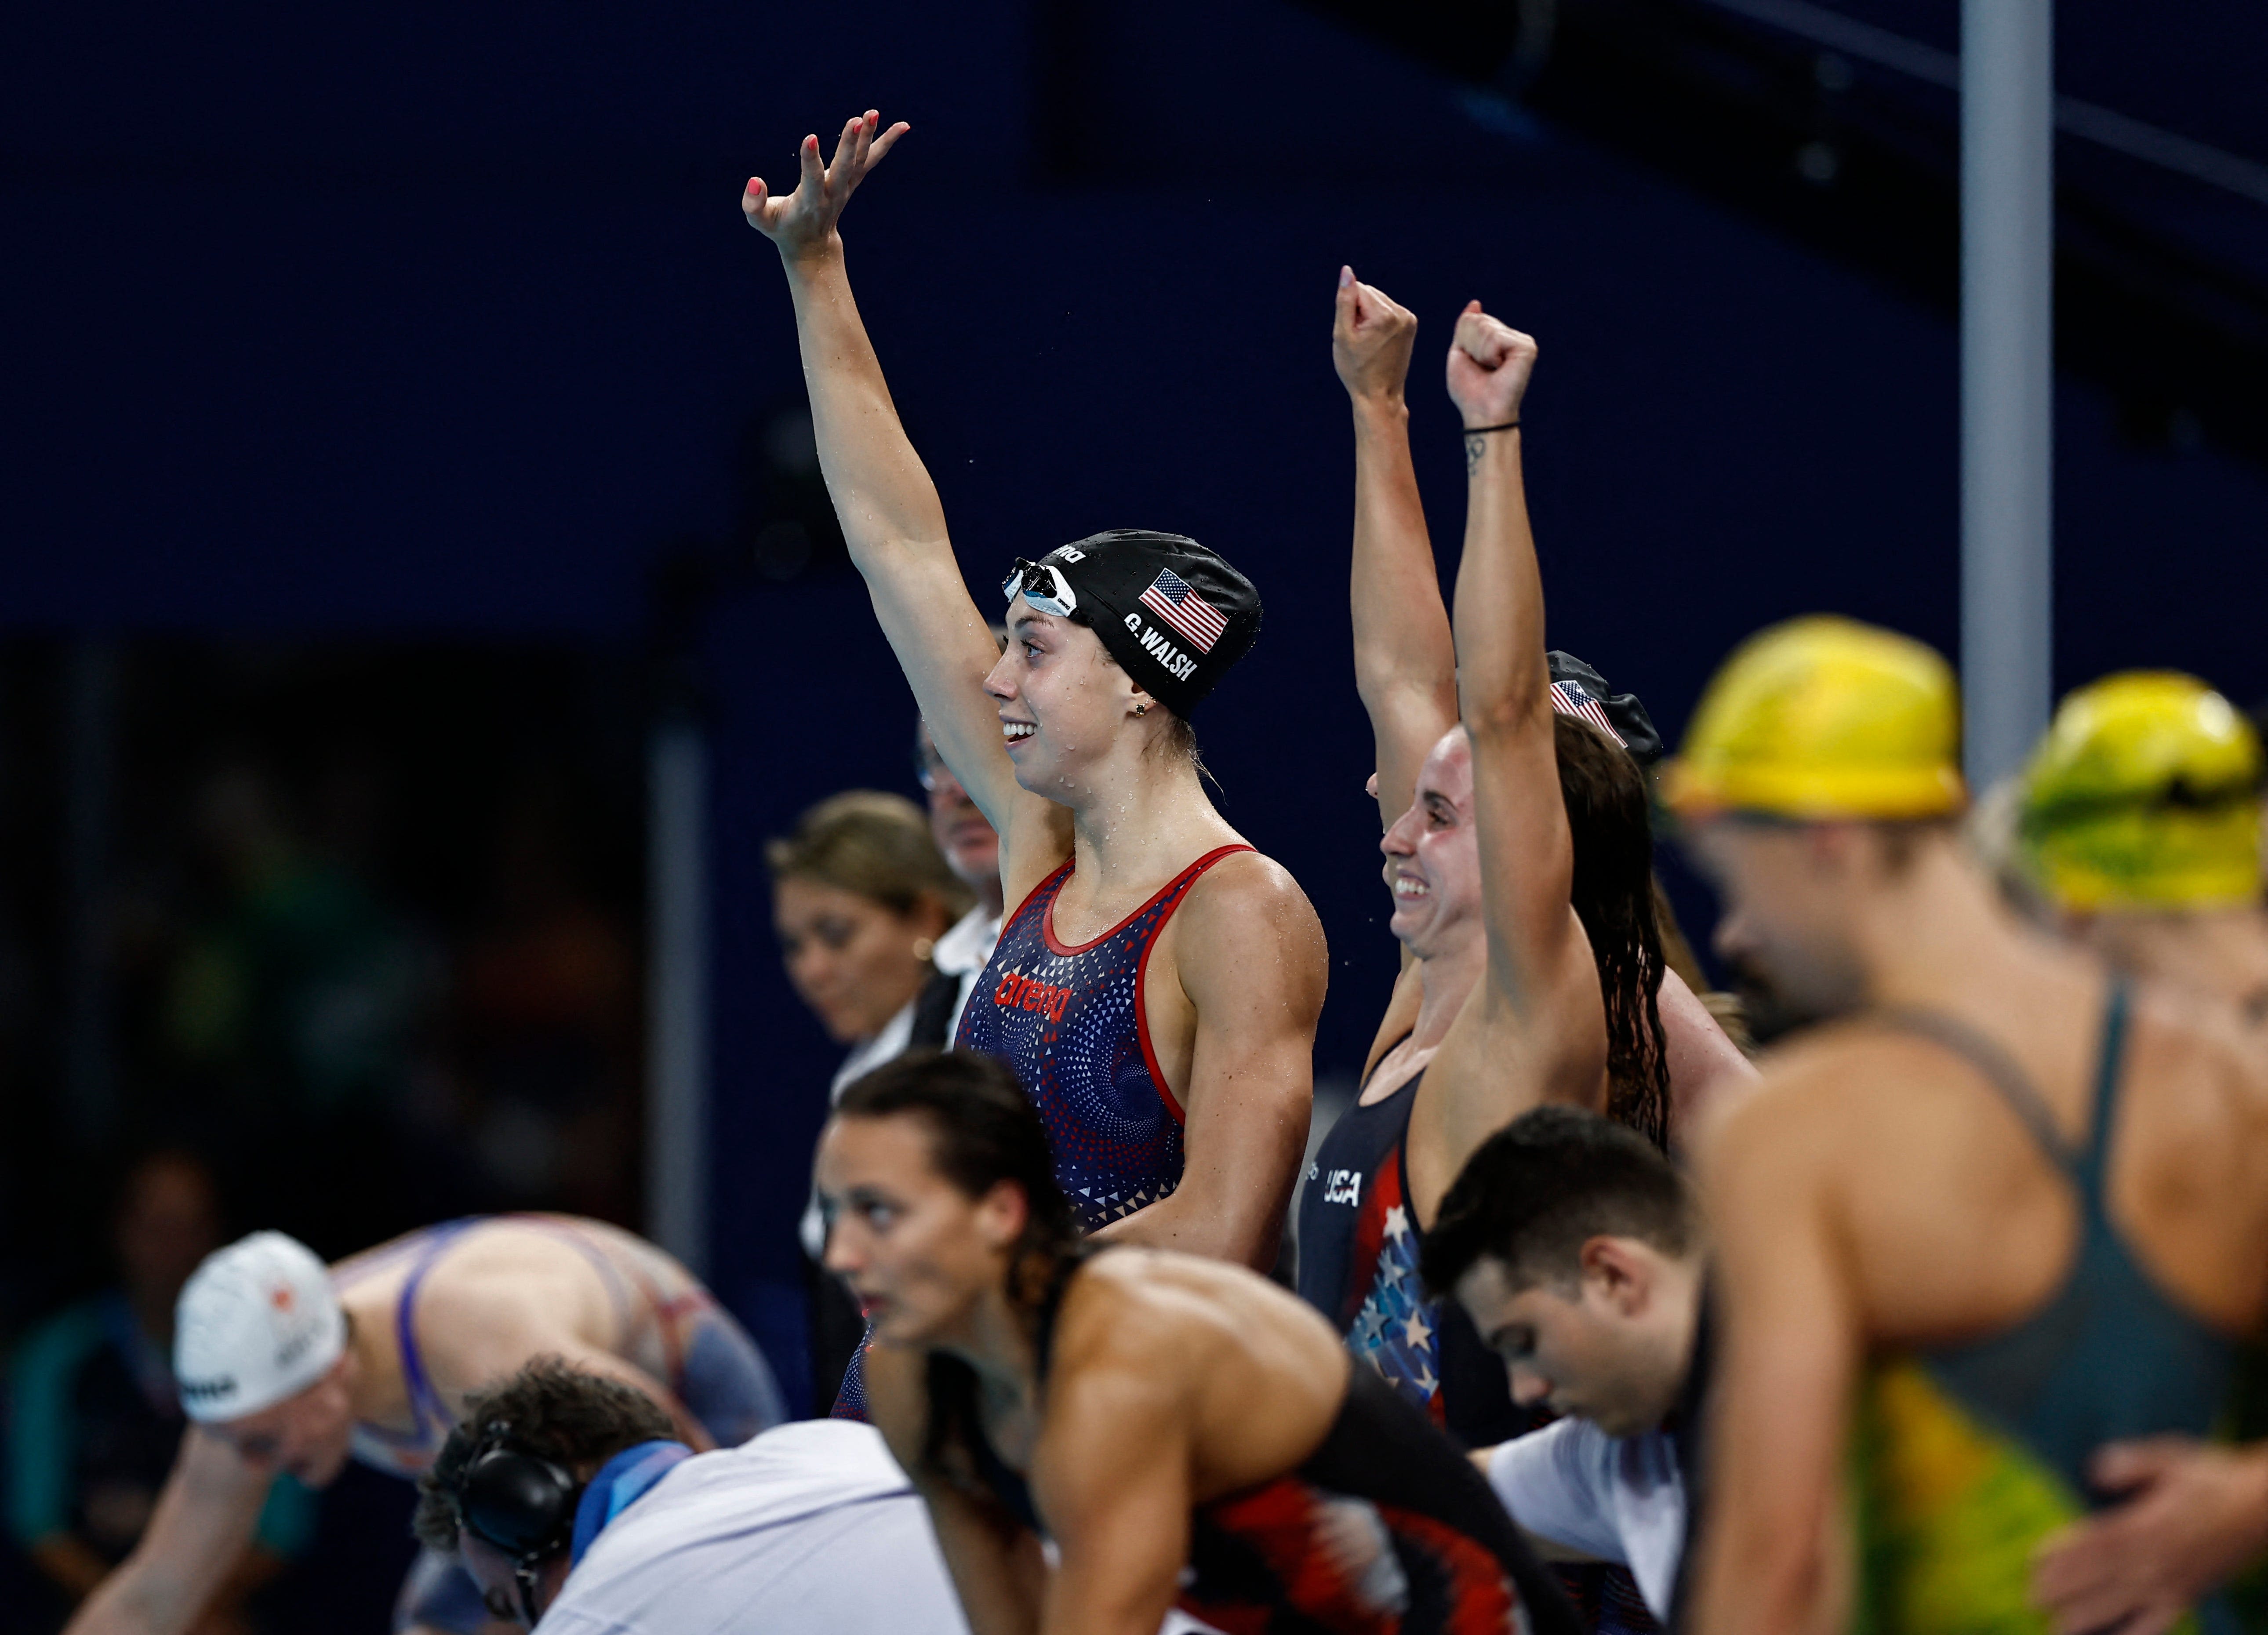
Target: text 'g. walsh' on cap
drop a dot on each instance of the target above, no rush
(1824, 718)
(256, 1323)
(1173, 613)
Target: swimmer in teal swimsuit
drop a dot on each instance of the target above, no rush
(1999, 1211)
(286, 1364)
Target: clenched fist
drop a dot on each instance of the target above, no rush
(1371, 338)
(1489, 365)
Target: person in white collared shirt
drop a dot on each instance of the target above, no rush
(972, 852)
(860, 896)
(1577, 1249)
(573, 1510)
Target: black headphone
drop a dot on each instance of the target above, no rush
(520, 1502)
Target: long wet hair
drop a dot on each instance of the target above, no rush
(1613, 894)
(982, 1131)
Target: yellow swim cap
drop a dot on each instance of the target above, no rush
(1822, 719)
(2145, 794)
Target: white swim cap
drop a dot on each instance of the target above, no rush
(255, 1324)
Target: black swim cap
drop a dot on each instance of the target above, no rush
(1577, 689)
(1173, 613)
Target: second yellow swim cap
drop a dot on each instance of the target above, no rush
(2145, 794)
(1822, 719)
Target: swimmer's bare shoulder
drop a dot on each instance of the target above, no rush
(509, 1294)
(1246, 952)
(518, 1282)
(2198, 1177)
(1250, 886)
(1810, 1096)
(1835, 1146)
(1910, 1163)
(1195, 1351)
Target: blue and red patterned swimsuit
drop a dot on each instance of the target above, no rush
(1071, 1022)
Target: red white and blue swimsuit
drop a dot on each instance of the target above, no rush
(1070, 1021)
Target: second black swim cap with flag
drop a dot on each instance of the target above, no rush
(1173, 613)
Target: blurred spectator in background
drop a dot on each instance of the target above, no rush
(861, 895)
(547, 1025)
(95, 1420)
(297, 1005)
(972, 852)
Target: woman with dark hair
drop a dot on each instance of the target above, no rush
(1180, 1430)
(1156, 984)
(1519, 860)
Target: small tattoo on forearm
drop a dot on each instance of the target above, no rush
(1473, 446)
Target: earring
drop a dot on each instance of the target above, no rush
(924, 947)
(1141, 708)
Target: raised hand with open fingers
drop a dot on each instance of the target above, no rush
(1488, 366)
(1370, 339)
(806, 220)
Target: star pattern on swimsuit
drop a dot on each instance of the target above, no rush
(1395, 1332)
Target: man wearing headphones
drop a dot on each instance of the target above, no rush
(570, 1504)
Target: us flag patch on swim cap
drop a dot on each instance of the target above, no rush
(1172, 599)
(1569, 698)
(1171, 612)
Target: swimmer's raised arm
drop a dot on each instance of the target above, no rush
(892, 519)
(1527, 1006)
(203, 1524)
(1405, 663)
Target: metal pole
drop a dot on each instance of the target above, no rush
(2008, 264)
(677, 994)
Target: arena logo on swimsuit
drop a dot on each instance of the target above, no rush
(1020, 993)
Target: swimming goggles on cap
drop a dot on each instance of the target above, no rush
(1044, 586)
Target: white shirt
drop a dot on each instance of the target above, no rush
(1619, 1498)
(964, 951)
(810, 1529)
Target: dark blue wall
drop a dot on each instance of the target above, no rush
(393, 320)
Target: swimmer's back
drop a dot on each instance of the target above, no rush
(1956, 1223)
(1987, 1248)
(464, 1298)
(604, 1280)
(1260, 1374)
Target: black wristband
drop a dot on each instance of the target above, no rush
(1509, 425)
